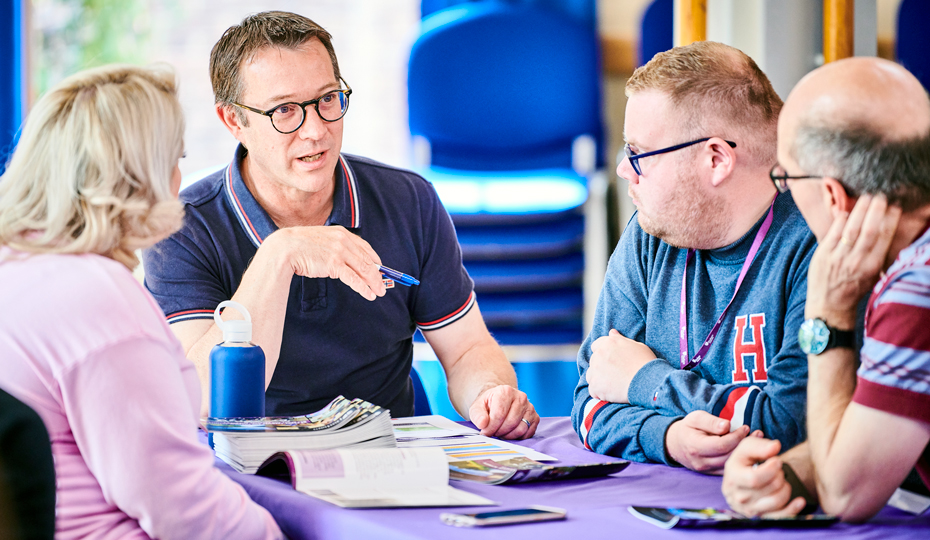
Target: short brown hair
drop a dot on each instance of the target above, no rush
(715, 86)
(242, 41)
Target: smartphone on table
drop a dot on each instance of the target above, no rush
(503, 517)
(667, 518)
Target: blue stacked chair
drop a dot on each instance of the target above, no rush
(656, 29)
(912, 42)
(584, 11)
(504, 104)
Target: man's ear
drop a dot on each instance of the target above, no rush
(230, 119)
(835, 197)
(722, 160)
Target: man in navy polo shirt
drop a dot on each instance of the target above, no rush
(290, 211)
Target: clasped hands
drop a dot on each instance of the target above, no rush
(700, 441)
(615, 360)
(754, 483)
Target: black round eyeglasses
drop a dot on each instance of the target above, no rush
(288, 117)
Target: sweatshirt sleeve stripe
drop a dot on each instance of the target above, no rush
(590, 411)
(736, 405)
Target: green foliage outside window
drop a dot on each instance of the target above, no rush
(70, 35)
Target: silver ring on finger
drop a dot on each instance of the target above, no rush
(527, 422)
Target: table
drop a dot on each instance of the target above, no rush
(597, 508)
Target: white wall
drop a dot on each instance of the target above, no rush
(785, 37)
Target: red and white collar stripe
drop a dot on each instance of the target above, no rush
(352, 187)
(239, 210)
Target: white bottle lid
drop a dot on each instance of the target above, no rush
(235, 330)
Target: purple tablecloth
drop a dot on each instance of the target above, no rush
(596, 508)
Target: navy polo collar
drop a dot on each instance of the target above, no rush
(345, 197)
(258, 225)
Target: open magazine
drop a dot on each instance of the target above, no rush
(476, 458)
(667, 518)
(245, 443)
(460, 443)
(521, 469)
(371, 478)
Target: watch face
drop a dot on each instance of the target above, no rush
(813, 336)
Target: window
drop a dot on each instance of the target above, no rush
(372, 39)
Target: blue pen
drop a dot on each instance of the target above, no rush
(398, 277)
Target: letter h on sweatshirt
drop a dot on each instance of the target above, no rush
(754, 348)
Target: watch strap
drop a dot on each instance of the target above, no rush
(798, 489)
(841, 338)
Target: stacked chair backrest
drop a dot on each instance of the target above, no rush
(912, 46)
(497, 86)
(657, 29)
(506, 98)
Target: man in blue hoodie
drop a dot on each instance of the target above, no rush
(695, 339)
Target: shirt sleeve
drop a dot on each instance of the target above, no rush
(894, 375)
(132, 420)
(628, 431)
(446, 292)
(183, 278)
(776, 407)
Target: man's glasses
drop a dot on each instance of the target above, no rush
(780, 178)
(288, 117)
(634, 157)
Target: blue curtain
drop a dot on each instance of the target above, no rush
(12, 82)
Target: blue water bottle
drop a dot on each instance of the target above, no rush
(237, 369)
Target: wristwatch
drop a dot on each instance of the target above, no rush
(815, 337)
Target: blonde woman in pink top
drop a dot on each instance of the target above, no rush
(93, 179)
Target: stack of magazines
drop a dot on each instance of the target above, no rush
(245, 443)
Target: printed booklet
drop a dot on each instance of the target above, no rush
(476, 458)
(521, 469)
(245, 443)
(371, 477)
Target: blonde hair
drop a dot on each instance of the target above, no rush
(718, 91)
(93, 167)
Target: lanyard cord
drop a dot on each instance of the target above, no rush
(683, 315)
